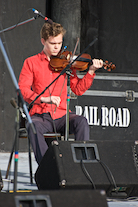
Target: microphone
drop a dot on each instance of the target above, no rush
(45, 18)
(14, 104)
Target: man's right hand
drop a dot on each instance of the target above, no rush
(51, 99)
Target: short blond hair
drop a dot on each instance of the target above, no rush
(54, 29)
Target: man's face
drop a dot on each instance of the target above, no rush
(52, 45)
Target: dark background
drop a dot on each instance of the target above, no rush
(113, 22)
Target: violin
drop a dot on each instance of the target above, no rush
(59, 62)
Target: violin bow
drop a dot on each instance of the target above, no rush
(71, 59)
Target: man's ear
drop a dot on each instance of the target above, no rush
(42, 41)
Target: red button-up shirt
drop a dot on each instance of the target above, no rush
(37, 74)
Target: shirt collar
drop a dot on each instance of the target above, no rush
(43, 56)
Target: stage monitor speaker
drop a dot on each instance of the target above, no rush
(108, 165)
(54, 198)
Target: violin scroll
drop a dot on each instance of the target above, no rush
(109, 66)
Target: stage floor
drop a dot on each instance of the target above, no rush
(23, 176)
(23, 179)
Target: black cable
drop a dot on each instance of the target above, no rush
(87, 174)
(104, 166)
(112, 177)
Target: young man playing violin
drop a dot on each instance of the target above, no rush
(49, 110)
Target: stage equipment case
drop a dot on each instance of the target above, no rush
(110, 106)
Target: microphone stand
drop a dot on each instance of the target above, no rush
(68, 102)
(16, 25)
(19, 98)
(24, 107)
(67, 71)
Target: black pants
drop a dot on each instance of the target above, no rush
(43, 123)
